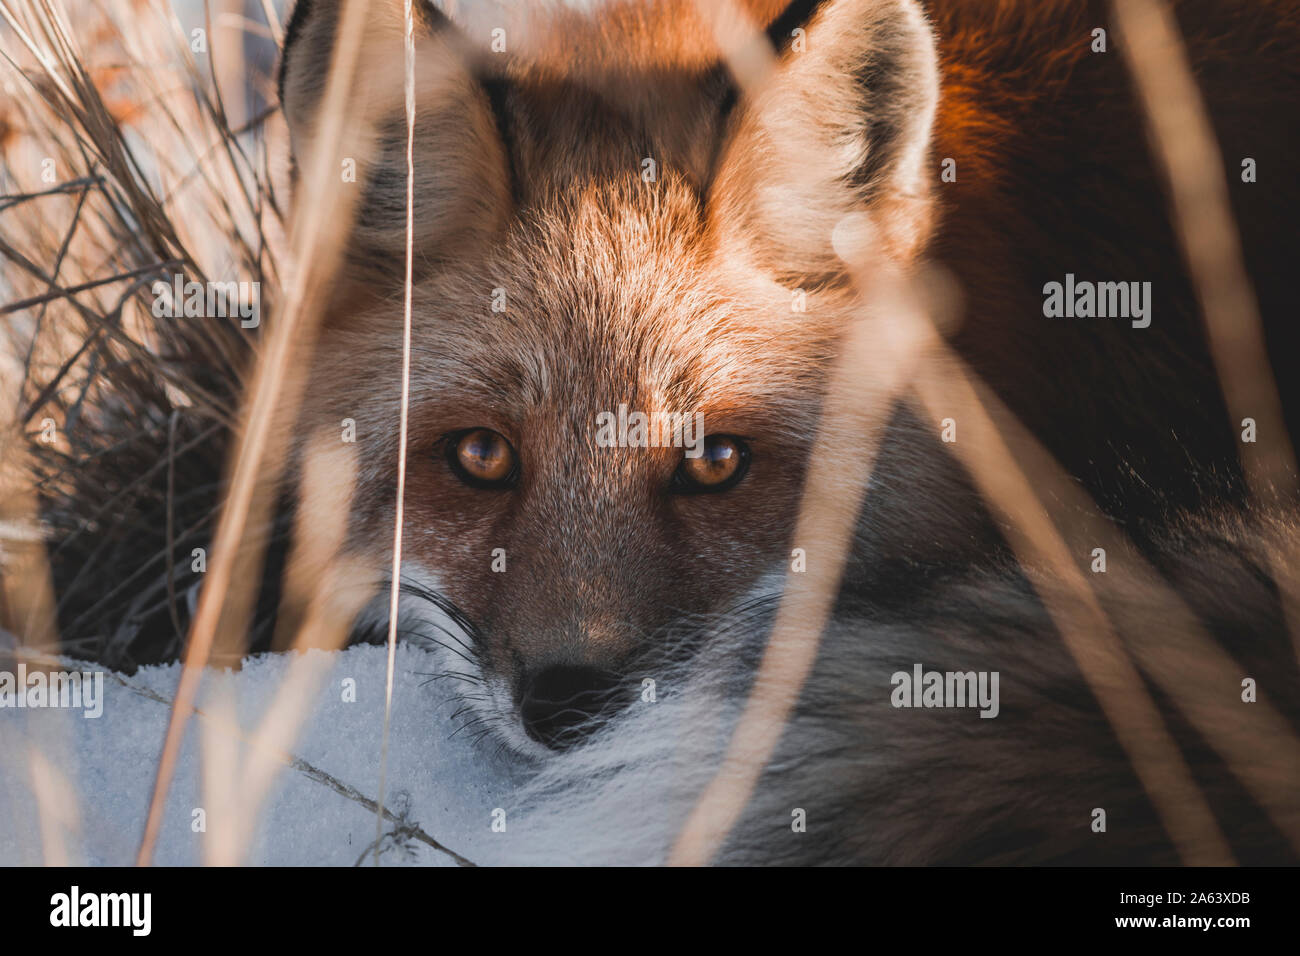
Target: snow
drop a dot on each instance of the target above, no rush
(620, 799)
(450, 784)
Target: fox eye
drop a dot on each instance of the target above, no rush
(723, 463)
(483, 458)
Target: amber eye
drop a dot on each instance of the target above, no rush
(723, 463)
(482, 458)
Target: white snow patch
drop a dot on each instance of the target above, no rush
(617, 801)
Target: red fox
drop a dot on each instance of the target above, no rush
(605, 221)
(629, 296)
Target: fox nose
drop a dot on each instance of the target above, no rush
(561, 704)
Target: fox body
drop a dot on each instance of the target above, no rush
(603, 220)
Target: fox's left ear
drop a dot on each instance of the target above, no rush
(843, 126)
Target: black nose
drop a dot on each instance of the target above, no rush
(560, 705)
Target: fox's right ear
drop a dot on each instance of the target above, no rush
(841, 127)
(462, 180)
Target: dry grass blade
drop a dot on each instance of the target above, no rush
(275, 393)
(1183, 141)
(26, 589)
(321, 593)
(875, 364)
(877, 356)
(55, 805)
(408, 87)
(946, 392)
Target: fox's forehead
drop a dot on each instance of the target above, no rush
(606, 294)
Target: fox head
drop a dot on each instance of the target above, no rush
(606, 226)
